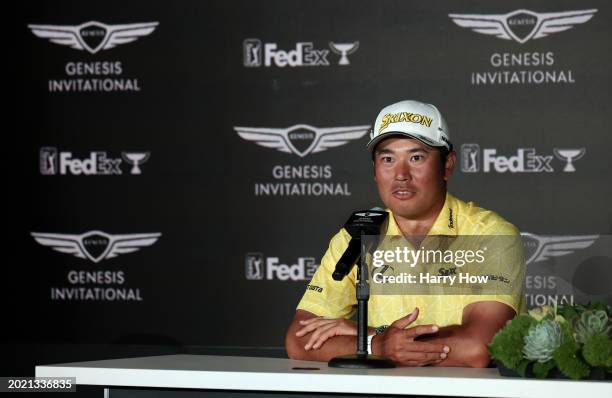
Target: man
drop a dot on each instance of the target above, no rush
(413, 160)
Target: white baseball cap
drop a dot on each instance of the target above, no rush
(414, 119)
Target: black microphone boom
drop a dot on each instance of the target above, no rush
(359, 225)
(348, 259)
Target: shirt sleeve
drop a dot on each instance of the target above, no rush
(325, 296)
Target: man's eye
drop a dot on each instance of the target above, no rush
(386, 159)
(416, 158)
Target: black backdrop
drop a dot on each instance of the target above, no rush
(190, 79)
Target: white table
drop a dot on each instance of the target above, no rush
(205, 372)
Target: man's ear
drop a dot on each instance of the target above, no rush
(449, 166)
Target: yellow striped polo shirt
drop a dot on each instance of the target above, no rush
(330, 298)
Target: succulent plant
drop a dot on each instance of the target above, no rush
(542, 340)
(591, 323)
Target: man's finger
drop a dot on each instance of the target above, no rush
(421, 358)
(432, 360)
(315, 335)
(310, 320)
(312, 326)
(406, 320)
(421, 346)
(416, 331)
(324, 336)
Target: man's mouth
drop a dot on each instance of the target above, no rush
(403, 193)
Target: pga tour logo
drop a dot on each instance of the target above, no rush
(522, 25)
(258, 267)
(473, 160)
(256, 54)
(54, 162)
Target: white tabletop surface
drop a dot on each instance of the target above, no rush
(277, 374)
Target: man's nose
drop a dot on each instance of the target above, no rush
(403, 171)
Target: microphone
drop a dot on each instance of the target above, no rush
(349, 258)
(362, 222)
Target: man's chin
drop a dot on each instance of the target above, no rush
(404, 210)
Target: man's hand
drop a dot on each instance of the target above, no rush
(481, 320)
(397, 343)
(339, 345)
(323, 328)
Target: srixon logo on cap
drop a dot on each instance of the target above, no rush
(404, 117)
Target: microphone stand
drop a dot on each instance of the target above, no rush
(361, 360)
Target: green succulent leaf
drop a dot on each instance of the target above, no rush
(572, 338)
(597, 350)
(507, 344)
(601, 307)
(568, 361)
(522, 367)
(541, 369)
(590, 323)
(568, 312)
(542, 340)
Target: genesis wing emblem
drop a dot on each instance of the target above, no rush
(325, 137)
(556, 246)
(115, 35)
(546, 23)
(74, 244)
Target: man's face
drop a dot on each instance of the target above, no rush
(409, 177)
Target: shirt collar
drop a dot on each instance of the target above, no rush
(445, 224)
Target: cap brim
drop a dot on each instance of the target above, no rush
(374, 141)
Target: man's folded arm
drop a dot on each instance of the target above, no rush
(338, 345)
(469, 341)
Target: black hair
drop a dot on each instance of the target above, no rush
(444, 152)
